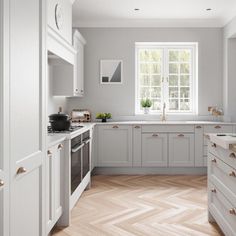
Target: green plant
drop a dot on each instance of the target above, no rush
(146, 102)
(103, 116)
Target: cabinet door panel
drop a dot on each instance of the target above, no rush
(115, 146)
(199, 146)
(27, 112)
(154, 150)
(181, 150)
(137, 146)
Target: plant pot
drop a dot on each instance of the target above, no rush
(146, 110)
(104, 120)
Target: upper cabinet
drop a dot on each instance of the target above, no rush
(79, 42)
(60, 18)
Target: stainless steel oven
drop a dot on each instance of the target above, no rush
(80, 159)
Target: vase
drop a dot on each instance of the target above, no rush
(104, 120)
(146, 110)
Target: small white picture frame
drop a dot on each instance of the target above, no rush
(111, 71)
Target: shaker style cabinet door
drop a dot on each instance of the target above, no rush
(27, 117)
(154, 150)
(181, 150)
(115, 146)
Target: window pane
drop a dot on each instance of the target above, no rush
(144, 80)
(184, 68)
(156, 55)
(185, 55)
(173, 68)
(173, 80)
(155, 80)
(173, 92)
(173, 104)
(155, 68)
(155, 92)
(184, 80)
(144, 93)
(144, 68)
(156, 105)
(143, 55)
(174, 55)
(184, 92)
(184, 104)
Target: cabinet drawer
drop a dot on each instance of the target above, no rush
(218, 128)
(223, 176)
(168, 128)
(222, 210)
(227, 156)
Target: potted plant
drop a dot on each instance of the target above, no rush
(103, 116)
(146, 103)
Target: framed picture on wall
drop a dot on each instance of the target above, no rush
(111, 71)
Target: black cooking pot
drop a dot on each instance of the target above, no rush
(59, 122)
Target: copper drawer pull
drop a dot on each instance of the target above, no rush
(21, 170)
(180, 135)
(213, 190)
(213, 145)
(155, 135)
(232, 174)
(198, 127)
(232, 211)
(60, 146)
(232, 155)
(213, 160)
(217, 127)
(137, 127)
(115, 127)
(1, 183)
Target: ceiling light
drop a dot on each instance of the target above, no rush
(208, 9)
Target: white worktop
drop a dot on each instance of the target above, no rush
(54, 138)
(223, 141)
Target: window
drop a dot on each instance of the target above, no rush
(167, 73)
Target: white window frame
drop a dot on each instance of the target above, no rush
(193, 46)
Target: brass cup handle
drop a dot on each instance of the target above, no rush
(1, 183)
(115, 127)
(49, 152)
(232, 155)
(213, 190)
(155, 135)
(217, 127)
(21, 170)
(198, 127)
(213, 145)
(180, 135)
(213, 160)
(137, 127)
(60, 146)
(232, 174)
(232, 211)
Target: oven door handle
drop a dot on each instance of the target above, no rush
(76, 148)
(87, 140)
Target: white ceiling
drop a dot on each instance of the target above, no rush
(153, 13)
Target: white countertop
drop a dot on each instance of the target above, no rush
(55, 138)
(223, 141)
(135, 122)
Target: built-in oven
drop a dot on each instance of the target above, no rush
(80, 159)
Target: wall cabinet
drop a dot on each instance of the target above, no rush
(154, 150)
(181, 150)
(115, 145)
(79, 43)
(54, 160)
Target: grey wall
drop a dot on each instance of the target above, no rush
(119, 43)
(229, 81)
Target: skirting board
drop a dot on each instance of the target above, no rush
(150, 171)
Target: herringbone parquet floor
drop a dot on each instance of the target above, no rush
(142, 206)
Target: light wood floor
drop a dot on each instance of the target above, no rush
(142, 206)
